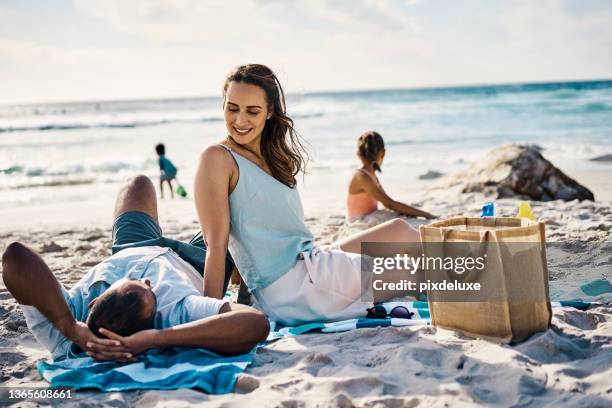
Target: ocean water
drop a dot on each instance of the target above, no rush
(51, 153)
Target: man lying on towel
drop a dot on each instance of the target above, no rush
(147, 295)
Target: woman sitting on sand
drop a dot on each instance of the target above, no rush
(365, 191)
(246, 198)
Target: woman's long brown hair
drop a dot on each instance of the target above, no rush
(281, 146)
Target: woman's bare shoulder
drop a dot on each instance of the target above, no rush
(216, 155)
(214, 150)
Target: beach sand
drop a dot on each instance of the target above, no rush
(569, 365)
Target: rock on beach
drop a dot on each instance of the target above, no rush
(518, 171)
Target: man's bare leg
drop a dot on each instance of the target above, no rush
(27, 276)
(137, 194)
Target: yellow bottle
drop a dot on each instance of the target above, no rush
(525, 211)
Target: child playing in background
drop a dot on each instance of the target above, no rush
(167, 169)
(365, 191)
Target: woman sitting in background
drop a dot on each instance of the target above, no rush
(365, 191)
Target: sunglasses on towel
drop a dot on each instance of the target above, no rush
(379, 312)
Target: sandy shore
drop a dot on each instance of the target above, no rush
(569, 365)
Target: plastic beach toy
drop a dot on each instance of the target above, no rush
(488, 210)
(525, 211)
(180, 190)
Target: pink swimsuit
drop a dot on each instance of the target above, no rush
(360, 204)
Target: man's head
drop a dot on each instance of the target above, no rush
(160, 149)
(127, 306)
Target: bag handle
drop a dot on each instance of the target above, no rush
(482, 250)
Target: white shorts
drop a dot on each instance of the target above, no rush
(324, 286)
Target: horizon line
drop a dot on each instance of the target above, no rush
(316, 92)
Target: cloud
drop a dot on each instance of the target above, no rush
(148, 48)
(550, 37)
(189, 21)
(313, 44)
(43, 73)
(183, 21)
(17, 52)
(385, 15)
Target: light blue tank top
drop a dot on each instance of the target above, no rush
(267, 229)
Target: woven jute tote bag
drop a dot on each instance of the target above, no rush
(515, 275)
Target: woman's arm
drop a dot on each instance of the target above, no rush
(376, 191)
(211, 192)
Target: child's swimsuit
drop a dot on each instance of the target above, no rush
(168, 169)
(360, 204)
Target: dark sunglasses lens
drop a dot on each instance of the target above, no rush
(401, 312)
(377, 312)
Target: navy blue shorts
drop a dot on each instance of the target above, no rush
(136, 229)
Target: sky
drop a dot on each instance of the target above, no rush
(71, 50)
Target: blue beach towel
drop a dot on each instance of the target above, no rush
(420, 318)
(198, 368)
(582, 297)
(595, 291)
(193, 368)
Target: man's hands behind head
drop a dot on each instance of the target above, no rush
(122, 349)
(105, 349)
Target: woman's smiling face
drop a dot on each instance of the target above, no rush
(245, 111)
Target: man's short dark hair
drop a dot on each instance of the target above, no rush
(120, 312)
(160, 149)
